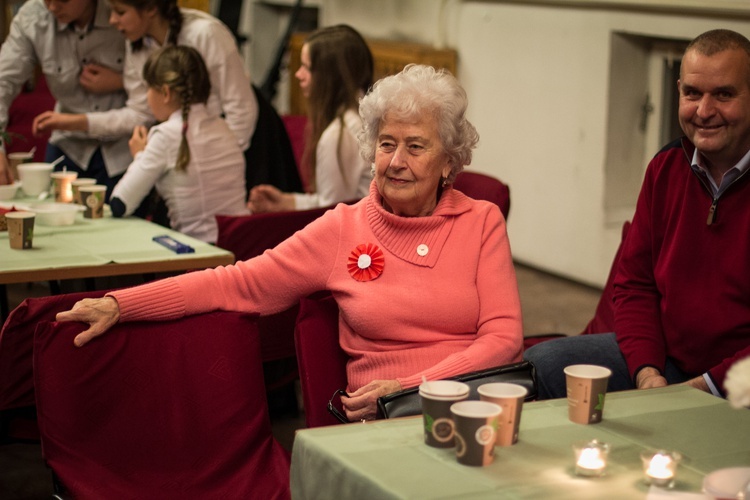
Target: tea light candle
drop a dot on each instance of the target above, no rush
(660, 467)
(591, 458)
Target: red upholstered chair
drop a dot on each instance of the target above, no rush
(248, 236)
(295, 129)
(158, 410)
(16, 348)
(32, 101)
(484, 187)
(321, 361)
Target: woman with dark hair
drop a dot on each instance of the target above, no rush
(149, 25)
(336, 71)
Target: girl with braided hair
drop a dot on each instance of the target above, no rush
(149, 25)
(191, 157)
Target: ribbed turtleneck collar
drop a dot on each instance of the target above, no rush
(418, 240)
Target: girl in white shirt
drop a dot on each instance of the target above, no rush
(336, 71)
(192, 158)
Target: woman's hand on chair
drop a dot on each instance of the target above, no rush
(101, 314)
(362, 404)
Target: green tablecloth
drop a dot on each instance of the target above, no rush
(388, 459)
(92, 242)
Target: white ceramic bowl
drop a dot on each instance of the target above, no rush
(56, 214)
(35, 177)
(8, 191)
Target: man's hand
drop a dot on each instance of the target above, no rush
(698, 383)
(649, 377)
(99, 79)
(138, 140)
(51, 120)
(362, 404)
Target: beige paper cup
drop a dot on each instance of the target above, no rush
(62, 185)
(92, 197)
(15, 159)
(20, 229)
(76, 184)
(437, 397)
(509, 397)
(476, 431)
(586, 387)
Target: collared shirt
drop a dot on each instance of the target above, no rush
(61, 51)
(231, 93)
(697, 164)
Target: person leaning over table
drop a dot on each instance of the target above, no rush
(681, 292)
(190, 157)
(81, 57)
(422, 274)
(335, 72)
(149, 25)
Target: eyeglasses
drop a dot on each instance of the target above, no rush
(333, 408)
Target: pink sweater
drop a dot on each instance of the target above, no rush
(439, 313)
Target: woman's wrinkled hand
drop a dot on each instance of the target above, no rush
(362, 404)
(101, 314)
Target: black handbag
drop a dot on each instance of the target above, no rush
(407, 402)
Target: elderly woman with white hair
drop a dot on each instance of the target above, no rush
(422, 273)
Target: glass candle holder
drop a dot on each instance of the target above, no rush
(591, 458)
(660, 467)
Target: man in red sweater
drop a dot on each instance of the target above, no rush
(682, 290)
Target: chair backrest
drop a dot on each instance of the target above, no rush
(248, 236)
(321, 361)
(484, 187)
(157, 410)
(17, 345)
(604, 316)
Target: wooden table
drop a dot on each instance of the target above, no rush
(93, 248)
(388, 459)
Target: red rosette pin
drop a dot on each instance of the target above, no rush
(366, 262)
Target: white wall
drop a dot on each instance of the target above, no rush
(537, 80)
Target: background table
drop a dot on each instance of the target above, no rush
(93, 248)
(388, 459)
